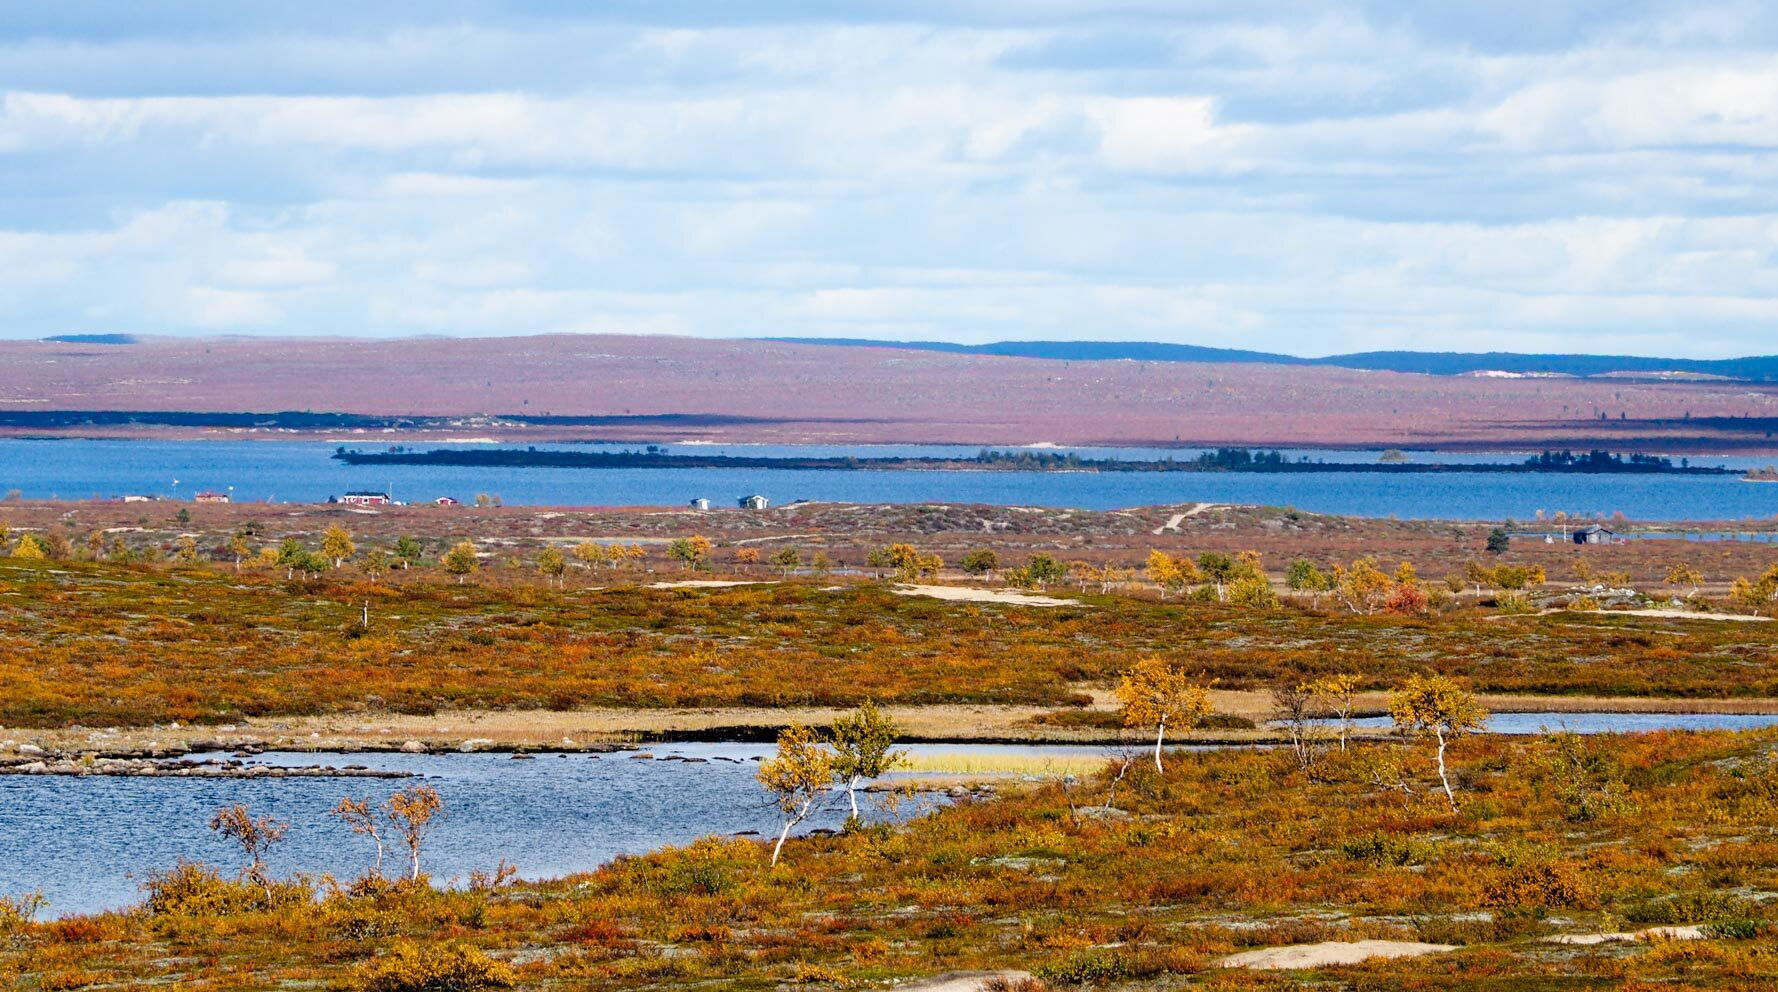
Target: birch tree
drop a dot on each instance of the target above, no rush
(864, 742)
(1155, 694)
(797, 777)
(1433, 704)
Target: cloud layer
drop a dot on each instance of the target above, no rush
(1301, 177)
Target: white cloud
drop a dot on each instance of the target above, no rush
(1363, 174)
(227, 309)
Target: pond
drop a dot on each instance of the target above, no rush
(86, 843)
(1608, 723)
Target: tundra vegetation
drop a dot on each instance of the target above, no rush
(455, 631)
(1143, 875)
(1127, 878)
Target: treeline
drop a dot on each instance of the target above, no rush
(1220, 460)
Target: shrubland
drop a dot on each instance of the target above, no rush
(106, 643)
(1133, 878)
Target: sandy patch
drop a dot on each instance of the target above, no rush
(1009, 596)
(1331, 952)
(1626, 937)
(705, 584)
(1684, 615)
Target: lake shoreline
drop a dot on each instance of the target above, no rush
(609, 730)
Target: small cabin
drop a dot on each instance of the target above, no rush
(212, 498)
(1594, 535)
(444, 501)
(365, 498)
(701, 503)
(753, 502)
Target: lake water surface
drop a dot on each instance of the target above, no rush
(86, 843)
(302, 471)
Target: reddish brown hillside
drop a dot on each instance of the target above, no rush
(811, 392)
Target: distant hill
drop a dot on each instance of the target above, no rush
(1755, 369)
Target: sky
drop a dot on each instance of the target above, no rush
(1307, 177)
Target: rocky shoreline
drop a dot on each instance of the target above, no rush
(133, 767)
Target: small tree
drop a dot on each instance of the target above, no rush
(1042, 568)
(1171, 575)
(360, 816)
(980, 561)
(291, 553)
(692, 552)
(1155, 694)
(797, 776)
(788, 560)
(256, 836)
(461, 560)
(746, 558)
(551, 564)
(1434, 704)
(1364, 587)
(1293, 705)
(907, 561)
(1218, 569)
(376, 563)
(29, 547)
(1338, 694)
(1683, 574)
(336, 544)
(864, 742)
(1305, 576)
(239, 549)
(412, 811)
(408, 551)
(1499, 541)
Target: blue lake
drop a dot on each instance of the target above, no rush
(86, 843)
(302, 471)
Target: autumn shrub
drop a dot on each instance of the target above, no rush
(1407, 599)
(1100, 966)
(194, 889)
(17, 911)
(1514, 604)
(1480, 929)
(452, 967)
(1742, 930)
(1388, 850)
(1224, 721)
(354, 921)
(1688, 908)
(1540, 884)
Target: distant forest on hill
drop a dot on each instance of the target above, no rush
(1755, 369)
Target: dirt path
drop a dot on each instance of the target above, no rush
(1176, 519)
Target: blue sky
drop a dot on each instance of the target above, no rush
(1305, 177)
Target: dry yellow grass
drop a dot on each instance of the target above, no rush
(1039, 765)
